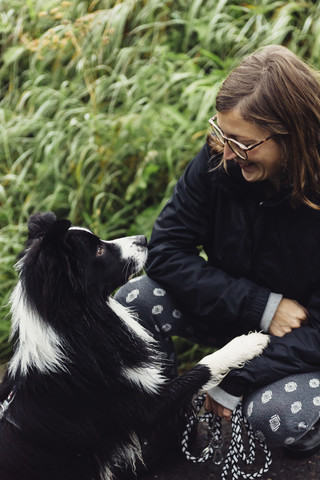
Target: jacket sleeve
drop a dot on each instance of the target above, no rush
(206, 293)
(296, 352)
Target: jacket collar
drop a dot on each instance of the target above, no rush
(235, 185)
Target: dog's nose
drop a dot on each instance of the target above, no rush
(141, 241)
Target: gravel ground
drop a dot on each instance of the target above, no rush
(176, 467)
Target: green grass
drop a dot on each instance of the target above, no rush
(103, 104)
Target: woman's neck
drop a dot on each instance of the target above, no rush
(271, 187)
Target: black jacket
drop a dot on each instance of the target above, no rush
(254, 246)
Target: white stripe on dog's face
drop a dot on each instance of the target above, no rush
(131, 249)
(38, 346)
(81, 228)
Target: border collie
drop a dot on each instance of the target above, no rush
(85, 383)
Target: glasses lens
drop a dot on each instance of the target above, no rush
(237, 150)
(216, 132)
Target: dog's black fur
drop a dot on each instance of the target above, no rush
(85, 383)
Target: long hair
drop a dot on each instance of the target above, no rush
(281, 94)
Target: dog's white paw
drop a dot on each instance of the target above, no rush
(234, 355)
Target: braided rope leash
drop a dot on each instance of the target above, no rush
(214, 434)
(236, 450)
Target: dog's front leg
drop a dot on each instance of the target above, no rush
(175, 395)
(233, 355)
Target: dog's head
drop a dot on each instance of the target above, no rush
(74, 261)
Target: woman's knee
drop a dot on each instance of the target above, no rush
(281, 413)
(150, 303)
(134, 293)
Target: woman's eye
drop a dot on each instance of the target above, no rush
(99, 250)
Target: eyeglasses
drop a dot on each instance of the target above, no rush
(238, 148)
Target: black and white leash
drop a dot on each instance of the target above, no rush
(6, 404)
(4, 407)
(236, 450)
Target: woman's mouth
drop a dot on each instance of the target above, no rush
(245, 165)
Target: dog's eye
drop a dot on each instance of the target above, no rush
(99, 250)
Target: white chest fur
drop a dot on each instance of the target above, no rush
(148, 377)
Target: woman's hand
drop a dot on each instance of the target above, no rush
(289, 315)
(218, 409)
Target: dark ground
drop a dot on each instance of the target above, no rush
(176, 467)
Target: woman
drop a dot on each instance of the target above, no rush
(251, 200)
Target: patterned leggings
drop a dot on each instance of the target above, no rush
(280, 413)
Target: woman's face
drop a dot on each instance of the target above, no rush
(264, 161)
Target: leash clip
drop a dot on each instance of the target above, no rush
(217, 456)
(5, 405)
(216, 443)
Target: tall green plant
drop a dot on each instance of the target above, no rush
(103, 103)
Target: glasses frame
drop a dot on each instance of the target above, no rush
(231, 141)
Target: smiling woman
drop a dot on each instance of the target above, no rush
(279, 96)
(262, 161)
(251, 197)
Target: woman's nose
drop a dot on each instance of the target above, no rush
(228, 153)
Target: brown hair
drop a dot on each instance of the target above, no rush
(280, 93)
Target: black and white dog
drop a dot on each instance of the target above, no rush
(85, 382)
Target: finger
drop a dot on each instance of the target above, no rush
(305, 317)
(279, 330)
(296, 324)
(227, 415)
(221, 411)
(207, 404)
(211, 405)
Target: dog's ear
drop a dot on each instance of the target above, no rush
(43, 225)
(45, 262)
(39, 224)
(57, 231)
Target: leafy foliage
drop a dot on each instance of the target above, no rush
(103, 103)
